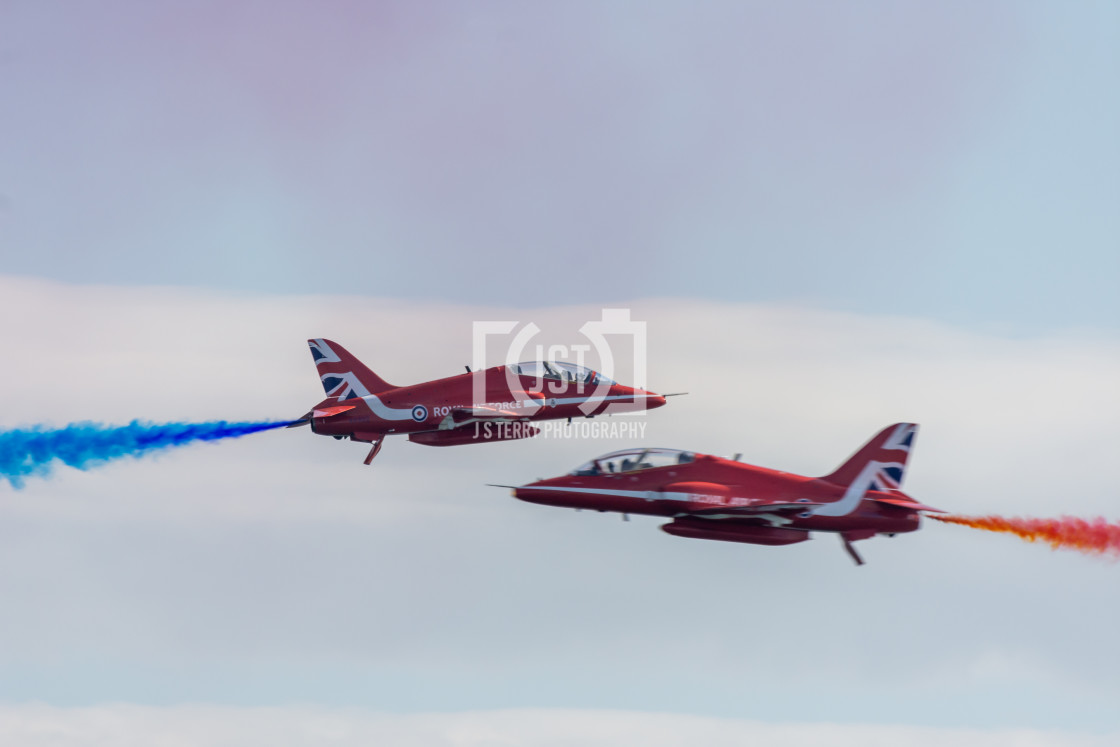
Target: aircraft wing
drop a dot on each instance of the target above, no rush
(754, 509)
(483, 412)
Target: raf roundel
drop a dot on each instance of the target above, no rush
(419, 413)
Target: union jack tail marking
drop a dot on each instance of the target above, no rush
(889, 449)
(343, 375)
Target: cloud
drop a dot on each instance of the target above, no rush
(201, 725)
(279, 569)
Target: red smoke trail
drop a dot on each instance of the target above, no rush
(1094, 536)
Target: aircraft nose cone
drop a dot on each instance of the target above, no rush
(525, 492)
(514, 490)
(656, 400)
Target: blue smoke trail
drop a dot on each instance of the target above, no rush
(32, 452)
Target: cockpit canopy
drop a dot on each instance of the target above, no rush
(632, 460)
(559, 371)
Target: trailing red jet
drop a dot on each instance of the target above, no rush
(721, 499)
(362, 406)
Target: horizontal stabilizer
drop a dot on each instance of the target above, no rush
(326, 412)
(907, 503)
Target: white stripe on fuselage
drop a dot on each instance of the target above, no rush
(654, 495)
(646, 495)
(383, 411)
(533, 404)
(853, 495)
(846, 505)
(606, 398)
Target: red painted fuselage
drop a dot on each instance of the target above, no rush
(450, 404)
(713, 498)
(495, 404)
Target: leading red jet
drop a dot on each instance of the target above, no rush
(362, 406)
(721, 499)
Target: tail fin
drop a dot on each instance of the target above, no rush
(343, 375)
(881, 463)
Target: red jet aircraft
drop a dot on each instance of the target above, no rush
(362, 406)
(721, 499)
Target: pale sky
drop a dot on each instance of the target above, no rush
(956, 160)
(831, 219)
